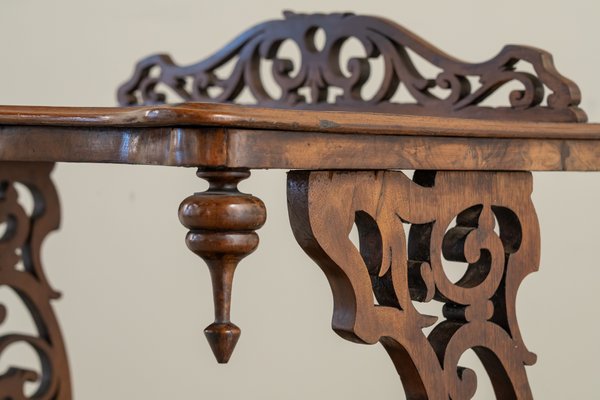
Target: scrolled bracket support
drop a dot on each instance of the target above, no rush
(21, 270)
(485, 220)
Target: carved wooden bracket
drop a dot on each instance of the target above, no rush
(336, 82)
(484, 219)
(456, 90)
(21, 241)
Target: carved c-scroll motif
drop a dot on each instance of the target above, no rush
(21, 241)
(457, 90)
(453, 215)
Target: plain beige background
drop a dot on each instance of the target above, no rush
(136, 300)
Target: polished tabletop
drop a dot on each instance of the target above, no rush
(226, 135)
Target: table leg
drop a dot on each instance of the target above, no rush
(222, 221)
(21, 240)
(483, 219)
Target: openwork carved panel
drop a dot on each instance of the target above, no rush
(20, 243)
(483, 219)
(457, 89)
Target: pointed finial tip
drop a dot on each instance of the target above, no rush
(222, 338)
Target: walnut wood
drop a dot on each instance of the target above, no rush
(479, 309)
(297, 150)
(222, 221)
(250, 117)
(274, 139)
(533, 130)
(22, 241)
(320, 71)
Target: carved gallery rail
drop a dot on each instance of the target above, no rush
(468, 201)
(226, 141)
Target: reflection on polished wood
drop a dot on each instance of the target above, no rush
(469, 199)
(233, 136)
(222, 221)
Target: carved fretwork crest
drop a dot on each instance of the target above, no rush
(322, 79)
(483, 219)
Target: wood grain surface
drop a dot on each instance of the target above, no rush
(483, 219)
(453, 214)
(239, 116)
(259, 148)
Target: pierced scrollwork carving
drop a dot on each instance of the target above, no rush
(484, 219)
(21, 242)
(457, 90)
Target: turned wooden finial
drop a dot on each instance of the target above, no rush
(222, 221)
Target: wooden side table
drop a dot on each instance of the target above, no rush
(468, 201)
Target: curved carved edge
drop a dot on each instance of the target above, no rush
(320, 71)
(22, 241)
(479, 309)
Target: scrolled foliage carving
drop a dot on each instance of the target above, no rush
(495, 231)
(458, 89)
(21, 242)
